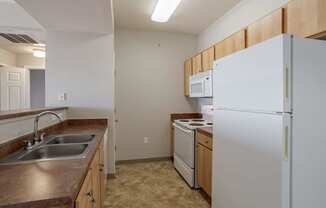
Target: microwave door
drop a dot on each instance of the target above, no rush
(197, 88)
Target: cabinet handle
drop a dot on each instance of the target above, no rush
(89, 194)
(101, 169)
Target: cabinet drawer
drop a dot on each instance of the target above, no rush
(204, 140)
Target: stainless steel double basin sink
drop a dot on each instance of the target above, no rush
(59, 147)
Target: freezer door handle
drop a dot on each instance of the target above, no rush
(286, 82)
(286, 143)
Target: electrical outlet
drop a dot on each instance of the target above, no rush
(145, 140)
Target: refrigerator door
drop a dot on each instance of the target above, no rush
(255, 79)
(309, 140)
(247, 160)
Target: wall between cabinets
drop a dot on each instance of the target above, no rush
(149, 87)
(243, 14)
(82, 65)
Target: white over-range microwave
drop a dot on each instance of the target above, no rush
(201, 84)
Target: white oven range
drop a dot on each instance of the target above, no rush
(185, 146)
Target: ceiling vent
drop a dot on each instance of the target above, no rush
(18, 38)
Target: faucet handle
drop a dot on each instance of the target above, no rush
(28, 143)
(42, 136)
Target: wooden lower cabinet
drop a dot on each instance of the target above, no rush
(204, 167)
(85, 196)
(92, 192)
(102, 175)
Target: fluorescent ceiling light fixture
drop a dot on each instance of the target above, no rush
(164, 9)
(39, 53)
(39, 44)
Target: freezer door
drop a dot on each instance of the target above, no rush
(256, 78)
(247, 160)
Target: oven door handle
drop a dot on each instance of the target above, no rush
(182, 129)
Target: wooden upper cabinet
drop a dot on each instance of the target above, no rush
(197, 64)
(232, 44)
(266, 28)
(306, 18)
(208, 57)
(187, 74)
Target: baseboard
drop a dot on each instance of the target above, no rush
(110, 176)
(143, 160)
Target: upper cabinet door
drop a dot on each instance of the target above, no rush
(208, 59)
(306, 18)
(265, 28)
(196, 64)
(187, 74)
(232, 44)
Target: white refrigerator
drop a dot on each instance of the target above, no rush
(269, 145)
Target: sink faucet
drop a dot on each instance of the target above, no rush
(37, 136)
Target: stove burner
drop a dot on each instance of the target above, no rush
(196, 124)
(183, 120)
(198, 120)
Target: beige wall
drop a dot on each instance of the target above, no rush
(28, 60)
(7, 57)
(244, 13)
(82, 65)
(149, 87)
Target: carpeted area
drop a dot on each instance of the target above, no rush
(151, 185)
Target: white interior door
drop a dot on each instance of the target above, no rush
(13, 88)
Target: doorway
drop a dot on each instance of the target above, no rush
(37, 88)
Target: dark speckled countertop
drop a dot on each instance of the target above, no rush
(50, 183)
(206, 130)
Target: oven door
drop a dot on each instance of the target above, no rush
(184, 145)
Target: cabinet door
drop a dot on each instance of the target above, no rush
(306, 18)
(102, 175)
(96, 187)
(208, 57)
(265, 28)
(197, 64)
(232, 44)
(204, 168)
(84, 198)
(187, 74)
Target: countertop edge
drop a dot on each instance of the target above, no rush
(26, 112)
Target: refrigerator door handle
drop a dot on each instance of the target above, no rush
(286, 143)
(286, 82)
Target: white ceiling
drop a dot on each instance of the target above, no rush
(192, 16)
(71, 15)
(14, 16)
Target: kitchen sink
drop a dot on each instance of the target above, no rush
(55, 151)
(71, 139)
(59, 147)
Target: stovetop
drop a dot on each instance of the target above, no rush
(194, 123)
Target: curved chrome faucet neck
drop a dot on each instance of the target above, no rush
(36, 121)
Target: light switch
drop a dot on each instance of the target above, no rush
(62, 96)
